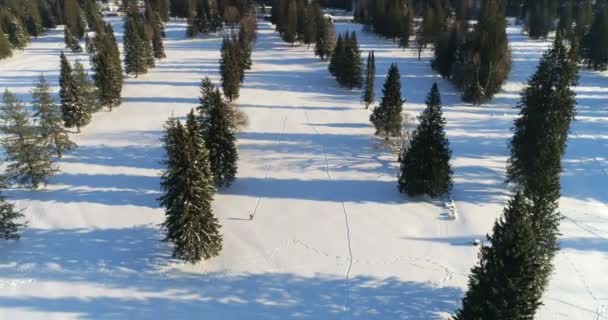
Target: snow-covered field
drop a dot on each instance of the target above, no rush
(331, 238)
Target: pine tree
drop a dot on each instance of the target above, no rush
(218, 130)
(74, 110)
(10, 227)
(540, 18)
(485, 58)
(86, 88)
(13, 27)
(547, 108)
(107, 69)
(310, 25)
(188, 193)
(353, 68)
(230, 69)
(50, 124)
(595, 45)
(93, 16)
(70, 41)
(246, 34)
(502, 286)
(446, 48)
(405, 30)
(337, 58)
(301, 19)
(28, 156)
(292, 22)
(387, 116)
(324, 42)
(5, 45)
(158, 46)
(370, 80)
(73, 18)
(138, 52)
(425, 164)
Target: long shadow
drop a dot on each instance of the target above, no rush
(576, 243)
(122, 267)
(82, 193)
(137, 156)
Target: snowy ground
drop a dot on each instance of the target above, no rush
(331, 239)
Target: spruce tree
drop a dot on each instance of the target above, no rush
(387, 116)
(137, 49)
(547, 108)
(107, 69)
(74, 110)
(50, 124)
(70, 41)
(5, 45)
(502, 286)
(86, 88)
(292, 22)
(155, 25)
(10, 227)
(353, 68)
(218, 131)
(370, 80)
(446, 48)
(595, 43)
(93, 16)
(324, 42)
(230, 69)
(425, 164)
(188, 189)
(246, 33)
(405, 30)
(73, 18)
(28, 156)
(337, 58)
(310, 26)
(13, 27)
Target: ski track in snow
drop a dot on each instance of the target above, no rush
(349, 264)
(259, 199)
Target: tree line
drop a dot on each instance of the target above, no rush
(514, 269)
(300, 20)
(235, 58)
(201, 155)
(20, 20)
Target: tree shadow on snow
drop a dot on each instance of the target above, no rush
(114, 274)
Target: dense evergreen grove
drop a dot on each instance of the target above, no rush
(425, 163)
(236, 57)
(392, 19)
(345, 64)
(477, 61)
(514, 271)
(303, 21)
(139, 56)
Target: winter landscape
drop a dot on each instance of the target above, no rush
(314, 225)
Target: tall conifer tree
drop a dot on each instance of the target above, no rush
(425, 164)
(28, 156)
(387, 116)
(370, 80)
(50, 124)
(188, 192)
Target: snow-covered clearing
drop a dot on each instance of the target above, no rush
(331, 238)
